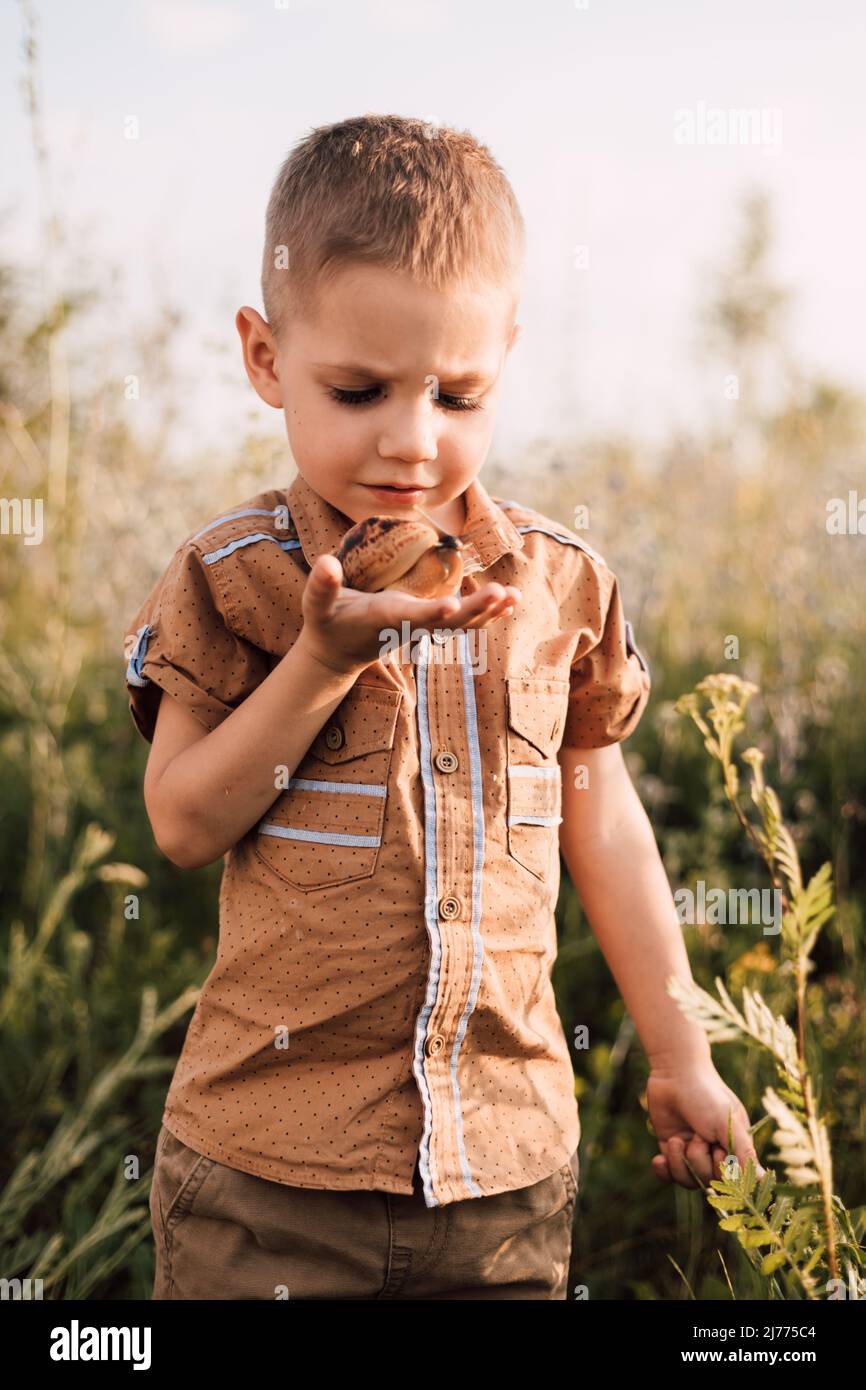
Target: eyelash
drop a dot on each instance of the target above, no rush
(365, 398)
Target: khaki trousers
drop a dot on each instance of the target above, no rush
(223, 1234)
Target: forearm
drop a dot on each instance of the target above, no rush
(625, 892)
(213, 792)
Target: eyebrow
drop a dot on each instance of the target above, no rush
(470, 378)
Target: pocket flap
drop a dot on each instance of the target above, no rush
(363, 722)
(537, 707)
(534, 794)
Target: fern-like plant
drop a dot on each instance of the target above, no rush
(804, 1236)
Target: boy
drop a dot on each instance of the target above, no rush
(375, 1098)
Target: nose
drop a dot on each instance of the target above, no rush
(410, 432)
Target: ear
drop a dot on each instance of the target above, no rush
(259, 351)
(515, 334)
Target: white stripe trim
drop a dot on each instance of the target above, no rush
(535, 820)
(526, 770)
(318, 837)
(312, 784)
(468, 676)
(565, 540)
(632, 647)
(431, 920)
(214, 555)
(232, 516)
(137, 655)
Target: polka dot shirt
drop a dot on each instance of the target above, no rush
(381, 995)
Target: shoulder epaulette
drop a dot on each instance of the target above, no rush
(225, 534)
(546, 527)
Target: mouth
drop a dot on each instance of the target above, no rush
(392, 490)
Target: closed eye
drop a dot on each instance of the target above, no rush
(369, 395)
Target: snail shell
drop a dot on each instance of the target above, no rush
(384, 552)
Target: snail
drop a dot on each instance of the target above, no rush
(384, 552)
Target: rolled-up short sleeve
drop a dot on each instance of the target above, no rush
(610, 684)
(180, 641)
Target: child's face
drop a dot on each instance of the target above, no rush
(381, 338)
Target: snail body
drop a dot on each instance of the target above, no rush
(384, 552)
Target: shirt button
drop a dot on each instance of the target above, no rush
(334, 736)
(449, 907)
(440, 637)
(433, 1046)
(446, 762)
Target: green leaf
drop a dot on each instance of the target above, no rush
(794, 1098)
(762, 1196)
(773, 1261)
(813, 1259)
(780, 1212)
(732, 1223)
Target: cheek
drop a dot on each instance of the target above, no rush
(325, 438)
(471, 435)
(302, 410)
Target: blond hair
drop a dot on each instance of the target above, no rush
(391, 191)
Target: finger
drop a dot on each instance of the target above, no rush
(699, 1156)
(449, 611)
(674, 1150)
(486, 605)
(323, 584)
(492, 610)
(505, 607)
(424, 611)
(743, 1146)
(479, 602)
(456, 616)
(392, 607)
(661, 1169)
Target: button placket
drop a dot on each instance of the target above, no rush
(450, 765)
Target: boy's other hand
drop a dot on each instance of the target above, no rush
(342, 626)
(688, 1108)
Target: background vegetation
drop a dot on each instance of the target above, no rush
(104, 942)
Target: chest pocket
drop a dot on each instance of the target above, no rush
(536, 713)
(326, 827)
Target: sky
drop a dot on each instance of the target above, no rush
(612, 121)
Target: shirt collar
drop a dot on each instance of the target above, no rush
(321, 527)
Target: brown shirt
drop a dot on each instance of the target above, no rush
(382, 989)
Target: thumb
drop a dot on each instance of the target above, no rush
(742, 1137)
(323, 585)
